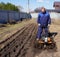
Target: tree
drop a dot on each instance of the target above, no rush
(8, 6)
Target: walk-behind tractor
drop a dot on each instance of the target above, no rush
(46, 42)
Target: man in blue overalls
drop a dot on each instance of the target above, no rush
(44, 22)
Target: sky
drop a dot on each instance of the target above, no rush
(48, 4)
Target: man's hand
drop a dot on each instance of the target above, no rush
(48, 25)
(38, 24)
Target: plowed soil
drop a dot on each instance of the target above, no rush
(35, 52)
(27, 37)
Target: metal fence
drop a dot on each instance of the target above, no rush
(53, 15)
(12, 16)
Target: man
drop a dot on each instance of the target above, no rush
(43, 22)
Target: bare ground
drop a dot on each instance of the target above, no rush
(30, 34)
(51, 53)
(33, 52)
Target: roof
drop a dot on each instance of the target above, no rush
(49, 10)
(56, 4)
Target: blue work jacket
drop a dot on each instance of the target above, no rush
(44, 19)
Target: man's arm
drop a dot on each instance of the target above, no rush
(38, 20)
(49, 20)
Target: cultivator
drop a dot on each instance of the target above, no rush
(46, 42)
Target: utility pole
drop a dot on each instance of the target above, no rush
(28, 7)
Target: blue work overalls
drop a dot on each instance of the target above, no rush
(43, 20)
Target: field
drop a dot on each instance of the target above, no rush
(55, 27)
(7, 30)
(29, 34)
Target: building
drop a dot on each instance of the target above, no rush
(54, 13)
(57, 5)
